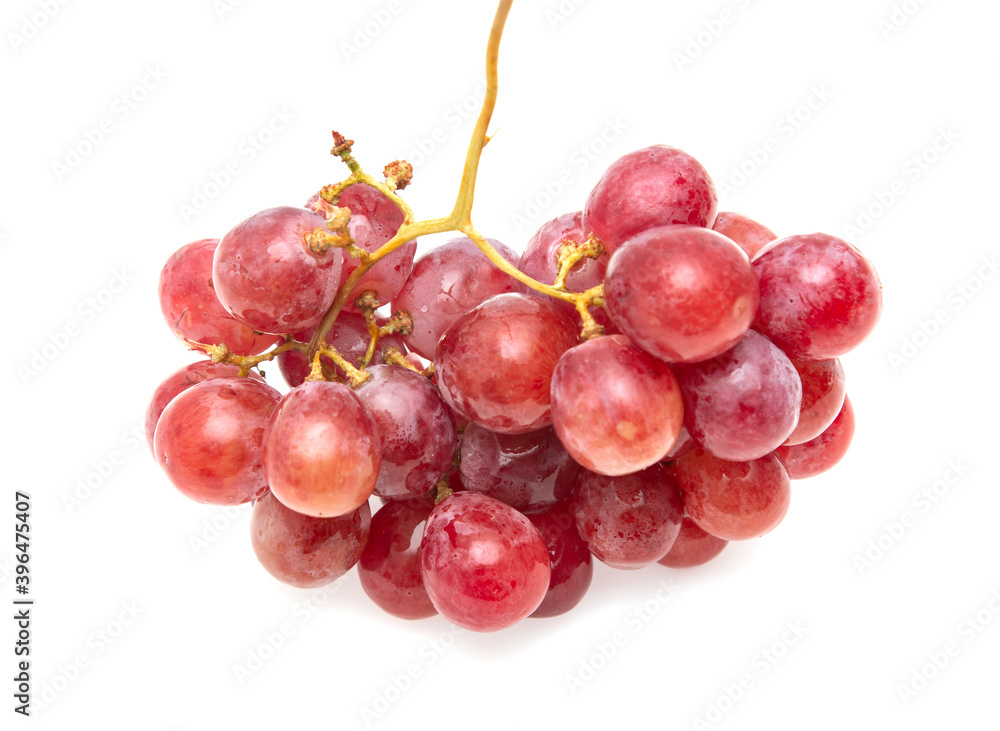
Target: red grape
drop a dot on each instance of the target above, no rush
(349, 336)
(208, 440)
(182, 380)
(530, 472)
(415, 429)
(540, 259)
(744, 403)
(484, 565)
(615, 408)
(683, 445)
(495, 364)
(303, 551)
(681, 293)
(390, 564)
(374, 220)
(266, 275)
(823, 393)
(819, 296)
(191, 309)
(820, 454)
(446, 283)
(321, 450)
(629, 521)
(747, 233)
(693, 547)
(733, 500)
(569, 559)
(653, 187)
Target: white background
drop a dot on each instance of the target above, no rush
(145, 611)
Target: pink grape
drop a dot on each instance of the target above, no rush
(615, 408)
(349, 336)
(681, 293)
(484, 565)
(733, 500)
(693, 547)
(494, 365)
(744, 403)
(446, 283)
(820, 454)
(321, 450)
(208, 440)
(823, 391)
(374, 220)
(191, 309)
(747, 233)
(266, 276)
(819, 296)
(569, 559)
(390, 564)
(303, 551)
(629, 521)
(182, 380)
(415, 428)
(530, 472)
(649, 188)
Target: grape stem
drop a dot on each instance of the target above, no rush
(460, 218)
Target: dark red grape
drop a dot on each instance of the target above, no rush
(390, 564)
(744, 403)
(615, 408)
(820, 454)
(182, 380)
(819, 296)
(208, 440)
(733, 500)
(530, 472)
(569, 559)
(415, 429)
(823, 391)
(303, 551)
(484, 565)
(494, 365)
(681, 293)
(693, 547)
(446, 283)
(652, 187)
(191, 309)
(747, 233)
(321, 450)
(629, 521)
(266, 275)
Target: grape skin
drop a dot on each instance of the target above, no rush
(208, 440)
(744, 403)
(652, 187)
(390, 564)
(494, 366)
(321, 450)
(747, 233)
(446, 283)
(629, 521)
(693, 547)
(484, 565)
(615, 408)
(569, 559)
(191, 309)
(819, 296)
(682, 294)
(266, 276)
(303, 551)
(415, 429)
(824, 389)
(733, 500)
(820, 454)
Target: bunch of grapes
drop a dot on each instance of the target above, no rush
(640, 385)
